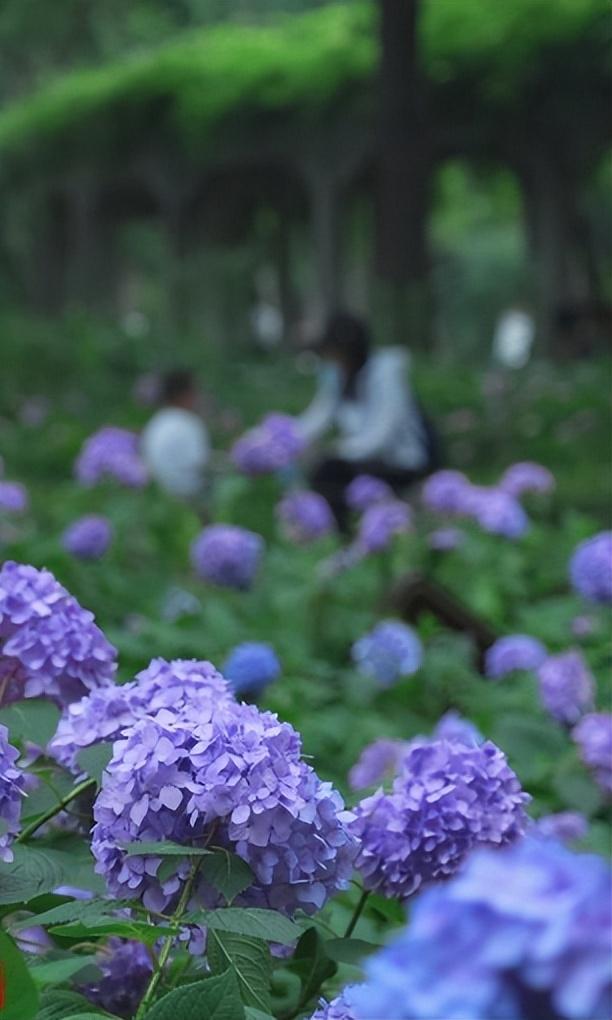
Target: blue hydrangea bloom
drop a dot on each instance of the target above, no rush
(591, 568)
(14, 497)
(366, 490)
(593, 735)
(12, 790)
(305, 516)
(125, 969)
(512, 653)
(445, 492)
(523, 933)
(228, 556)
(567, 686)
(526, 476)
(380, 523)
(338, 1009)
(271, 446)
(565, 826)
(497, 512)
(388, 652)
(251, 666)
(453, 726)
(111, 452)
(89, 537)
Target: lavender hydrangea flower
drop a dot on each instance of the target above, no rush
(234, 773)
(379, 760)
(391, 650)
(445, 492)
(12, 790)
(125, 968)
(591, 568)
(448, 799)
(272, 445)
(445, 539)
(49, 645)
(526, 477)
(522, 933)
(567, 686)
(380, 523)
(497, 512)
(89, 537)
(511, 653)
(366, 490)
(593, 735)
(251, 666)
(305, 516)
(14, 497)
(228, 556)
(111, 452)
(452, 726)
(565, 826)
(338, 1009)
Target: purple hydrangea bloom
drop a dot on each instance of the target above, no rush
(379, 760)
(12, 791)
(448, 799)
(338, 1009)
(445, 539)
(89, 537)
(567, 686)
(111, 452)
(49, 645)
(272, 445)
(445, 492)
(233, 775)
(453, 726)
(366, 490)
(251, 666)
(305, 516)
(593, 735)
(497, 512)
(125, 968)
(526, 477)
(226, 555)
(511, 653)
(380, 523)
(14, 497)
(565, 826)
(591, 568)
(389, 651)
(523, 933)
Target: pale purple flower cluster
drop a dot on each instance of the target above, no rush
(445, 492)
(227, 555)
(89, 537)
(251, 666)
(381, 523)
(12, 789)
(448, 799)
(526, 477)
(366, 490)
(338, 1009)
(111, 452)
(453, 726)
(389, 651)
(523, 933)
(511, 653)
(305, 516)
(445, 539)
(591, 568)
(567, 686)
(49, 645)
(565, 826)
(497, 512)
(14, 497)
(272, 445)
(232, 776)
(593, 735)
(125, 969)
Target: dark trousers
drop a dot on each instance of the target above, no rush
(331, 476)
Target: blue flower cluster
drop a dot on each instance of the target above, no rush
(12, 789)
(111, 452)
(567, 686)
(228, 556)
(380, 523)
(125, 968)
(591, 568)
(593, 735)
(366, 490)
(512, 653)
(526, 477)
(305, 516)
(390, 651)
(272, 445)
(251, 666)
(89, 537)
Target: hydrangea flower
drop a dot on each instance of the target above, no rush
(14, 497)
(453, 726)
(565, 826)
(448, 799)
(366, 490)
(380, 523)
(49, 645)
(111, 452)
(526, 477)
(523, 933)
(231, 775)
(251, 666)
(338, 1009)
(445, 539)
(272, 445)
(89, 537)
(511, 653)
(567, 686)
(226, 555)
(125, 968)
(591, 568)
(497, 512)
(389, 651)
(12, 791)
(107, 713)
(379, 760)
(593, 735)
(305, 516)
(445, 492)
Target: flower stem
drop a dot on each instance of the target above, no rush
(356, 913)
(87, 784)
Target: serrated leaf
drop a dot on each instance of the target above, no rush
(228, 873)
(166, 849)
(33, 871)
(56, 972)
(34, 719)
(349, 950)
(93, 760)
(311, 963)
(20, 994)
(257, 922)
(124, 928)
(58, 1004)
(216, 998)
(249, 958)
(86, 911)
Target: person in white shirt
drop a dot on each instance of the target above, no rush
(364, 394)
(175, 444)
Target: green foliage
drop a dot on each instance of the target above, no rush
(21, 997)
(216, 998)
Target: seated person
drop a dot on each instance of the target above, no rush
(174, 443)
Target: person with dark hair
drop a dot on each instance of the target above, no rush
(364, 394)
(174, 444)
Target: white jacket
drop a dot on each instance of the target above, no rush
(380, 422)
(176, 450)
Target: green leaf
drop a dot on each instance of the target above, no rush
(228, 873)
(257, 922)
(56, 972)
(58, 1004)
(216, 998)
(124, 928)
(33, 871)
(311, 963)
(88, 912)
(349, 950)
(93, 760)
(151, 849)
(251, 961)
(255, 1014)
(21, 996)
(34, 719)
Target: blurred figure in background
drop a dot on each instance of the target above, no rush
(513, 338)
(365, 395)
(175, 444)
